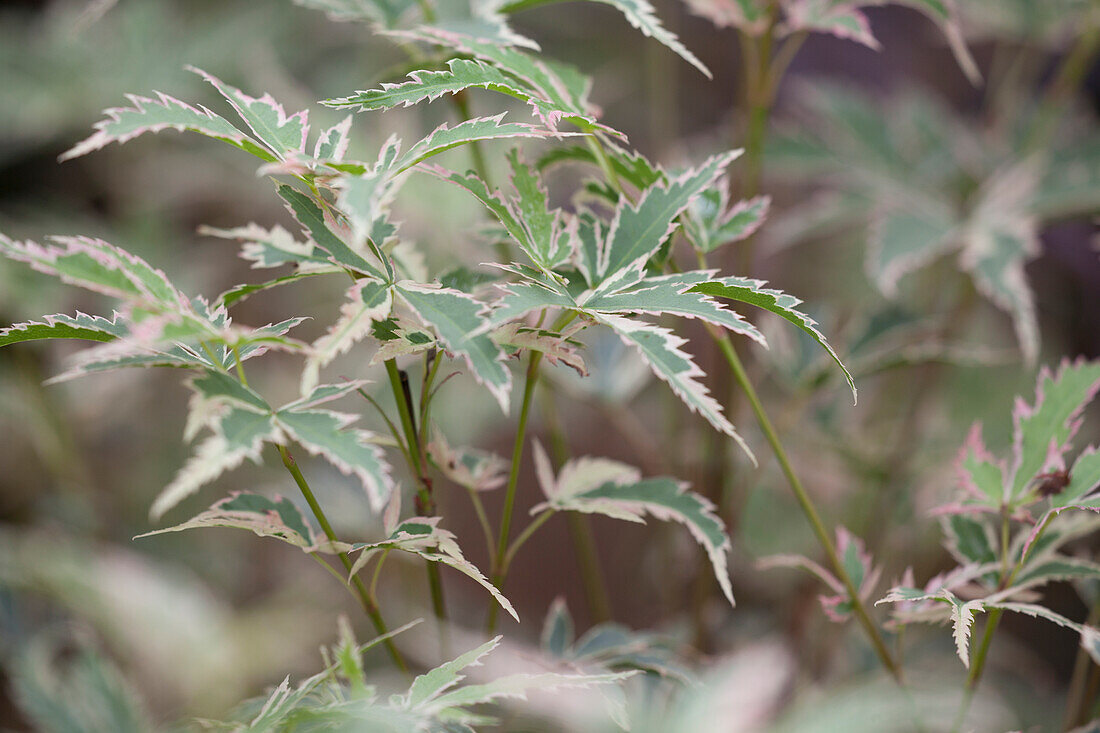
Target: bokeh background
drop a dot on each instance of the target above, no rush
(187, 625)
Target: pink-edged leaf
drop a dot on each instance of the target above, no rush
(62, 326)
(98, 266)
(714, 223)
(556, 348)
(445, 137)
(458, 321)
(283, 134)
(332, 143)
(272, 247)
(1060, 398)
(424, 537)
(163, 113)
(750, 16)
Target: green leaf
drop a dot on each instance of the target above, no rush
(470, 468)
(436, 681)
(98, 266)
(461, 74)
(660, 349)
(750, 16)
(238, 434)
(325, 433)
(1083, 480)
(782, 304)
(445, 137)
(454, 316)
(279, 518)
(601, 486)
(310, 216)
(367, 301)
(271, 247)
(641, 15)
(712, 224)
(61, 326)
(636, 232)
(516, 686)
(282, 134)
(1052, 421)
(969, 540)
(162, 113)
(557, 630)
(903, 240)
(422, 536)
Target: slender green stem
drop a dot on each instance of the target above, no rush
(239, 365)
(368, 604)
(604, 162)
(389, 424)
(513, 479)
(580, 528)
(417, 465)
(808, 508)
(377, 573)
(483, 520)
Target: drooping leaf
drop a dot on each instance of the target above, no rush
(473, 469)
(556, 348)
(162, 113)
(516, 687)
(424, 537)
(326, 433)
(782, 304)
(62, 326)
(600, 486)
(841, 19)
(454, 316)
(660, 349)
(238, 434)
(279, 518)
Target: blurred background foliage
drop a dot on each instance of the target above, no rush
(98, 632)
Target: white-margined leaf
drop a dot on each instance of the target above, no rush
(367, 301)
(471, 468)
(422, 536)
(62, 326)
(660, 348)
(714, 223)
(454, 316)
(556, 348)
(266, 517)
(435, 682)
(310, 216)
(782, 304)
(283, 134)
(352, 451)
(445, 137)
(162, 113)
(602, 486)
(272, 247)
(642, 16)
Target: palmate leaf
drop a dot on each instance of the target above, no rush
(782, 304)
(163, 113)
(601, 486)
(266, 517)
(61, 326)
(422, 536)
(456, 318)
(641, 15)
